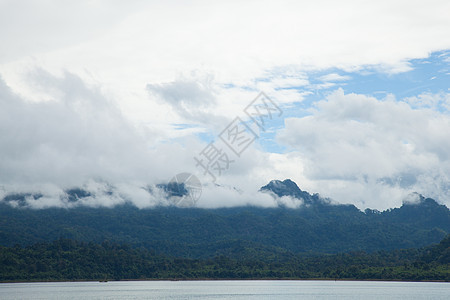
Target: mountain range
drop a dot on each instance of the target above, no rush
(318, 226)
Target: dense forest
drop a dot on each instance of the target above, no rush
(205, 233)
(66, 259)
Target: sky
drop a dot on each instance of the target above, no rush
(119, 96)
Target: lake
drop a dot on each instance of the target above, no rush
(239, 289)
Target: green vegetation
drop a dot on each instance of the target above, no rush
(318, 240)
(204, 233)
(65, 259)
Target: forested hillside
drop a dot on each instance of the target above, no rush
(316, 227)
(72, 260)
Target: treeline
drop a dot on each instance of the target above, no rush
(66, 259)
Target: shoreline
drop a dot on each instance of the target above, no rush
(224, 279)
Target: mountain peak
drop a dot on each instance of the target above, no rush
(287, 183)
(413, 198)
(287, 187)
(419, 200)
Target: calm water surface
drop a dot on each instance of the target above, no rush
(255, 289)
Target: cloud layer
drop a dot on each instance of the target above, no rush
(78, 138)
(101, 92)
(80, 135)
(358, 147)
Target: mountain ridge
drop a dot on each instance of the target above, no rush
(277, 188)
(316, 227)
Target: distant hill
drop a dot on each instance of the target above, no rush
(318, 226)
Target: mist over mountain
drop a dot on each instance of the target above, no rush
(288, 188)
(315, 225)
(98, 193)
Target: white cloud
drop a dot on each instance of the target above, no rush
(334, 77)
(193, 99)
(225, 196)
(440, 101)
(31, 27)
(78, 136)
(154, 42)
(372, 152)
